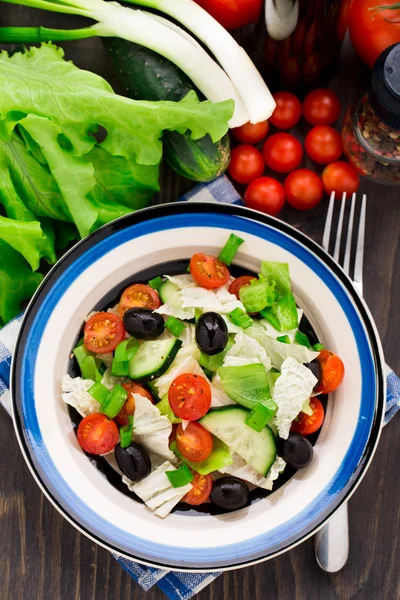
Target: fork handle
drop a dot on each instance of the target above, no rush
(331, 543)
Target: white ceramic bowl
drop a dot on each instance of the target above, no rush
(80, 281)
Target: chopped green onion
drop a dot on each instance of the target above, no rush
(114, 401)
(259, 416)
(99, 392)
(126, 433)
(80, 342)
(188, 268)
(318, 347)
(81, 352)
(120, 368)
(126, 350)
(175, 326)
(197, 313)
(257, 295)
(285, 339)
(209, 374)
(180, 477)
(228, 252)
(240, 318)
(302, 339)
(155, 283)
(90, 369)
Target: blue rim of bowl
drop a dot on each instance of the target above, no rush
(241, 553)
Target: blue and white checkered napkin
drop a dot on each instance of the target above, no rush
(177, 586)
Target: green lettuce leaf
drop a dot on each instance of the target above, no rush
(247, 385)
(17, 282)
(279, 273)
(28, 238)
(256, 296)
(219, 458)
(282, 315)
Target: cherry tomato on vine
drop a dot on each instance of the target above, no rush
(303, 189)
(266, 195)
(246, 163)
(340, 177)
(323, 144)
(282, 152)
(287, 112)
(251, 133)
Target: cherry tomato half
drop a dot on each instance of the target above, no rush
(202, 486)
(340, 177)
(97, 435)
(189, 396)
(282, 152)
(266, 195)
(208, 271)
(287, 112)
(246, 163)
(138, 294)
(303, 189)
(103, 332)
(251, 133)
(238, 283)
(332, 372)
(195, 443)
(129, 406)
(323, 144)
(308, 424)
(321, 107)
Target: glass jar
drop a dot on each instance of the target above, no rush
(307, 56)
(371, 130)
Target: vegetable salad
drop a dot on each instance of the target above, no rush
(201, 385)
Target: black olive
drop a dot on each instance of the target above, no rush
(211, 333)
(296, 451)
(143, 323)
(230, 493)
(134, 461)
(316, 370)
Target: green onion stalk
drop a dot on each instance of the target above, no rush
(237, 78)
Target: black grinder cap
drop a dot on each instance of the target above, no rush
(384, 91)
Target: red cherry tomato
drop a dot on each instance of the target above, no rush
(303, 189)
(311, 70)
(340, 177)
(195, 443)
(138, 294)
(323, 144)
(238, 283)
(103, 332)
(202, 486)
(287, 112)
(372, 31)
(308, 424)
(246, 164)
(282, 152)
(290, 72)
(321, 107)
(266, 195)
(97, 435)
(298, 36)
(208, 271)
(129, 406)
(189, 396)
(251, 133)
(310, 39)
(332, 372)
(233, 13)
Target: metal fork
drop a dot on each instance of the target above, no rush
(331, 543)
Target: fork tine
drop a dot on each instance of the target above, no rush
(339, 229)
(346, 264)
(358, 266)
(328, 223)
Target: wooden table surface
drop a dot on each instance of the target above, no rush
(42, 557)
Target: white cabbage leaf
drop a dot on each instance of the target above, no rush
(182, 281)
(75, 393)
(278, 351)
(292, 389)
(156, 490)
(151, 429)
(245, 351)
(240, 468)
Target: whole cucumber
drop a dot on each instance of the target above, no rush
(146, 75)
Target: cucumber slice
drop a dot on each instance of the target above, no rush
(227, 423)
(153, 358)
(168, 291)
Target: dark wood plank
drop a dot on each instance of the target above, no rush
(45, 558)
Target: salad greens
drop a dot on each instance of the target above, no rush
(247, 384)
(219, 458)
(53, 166)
